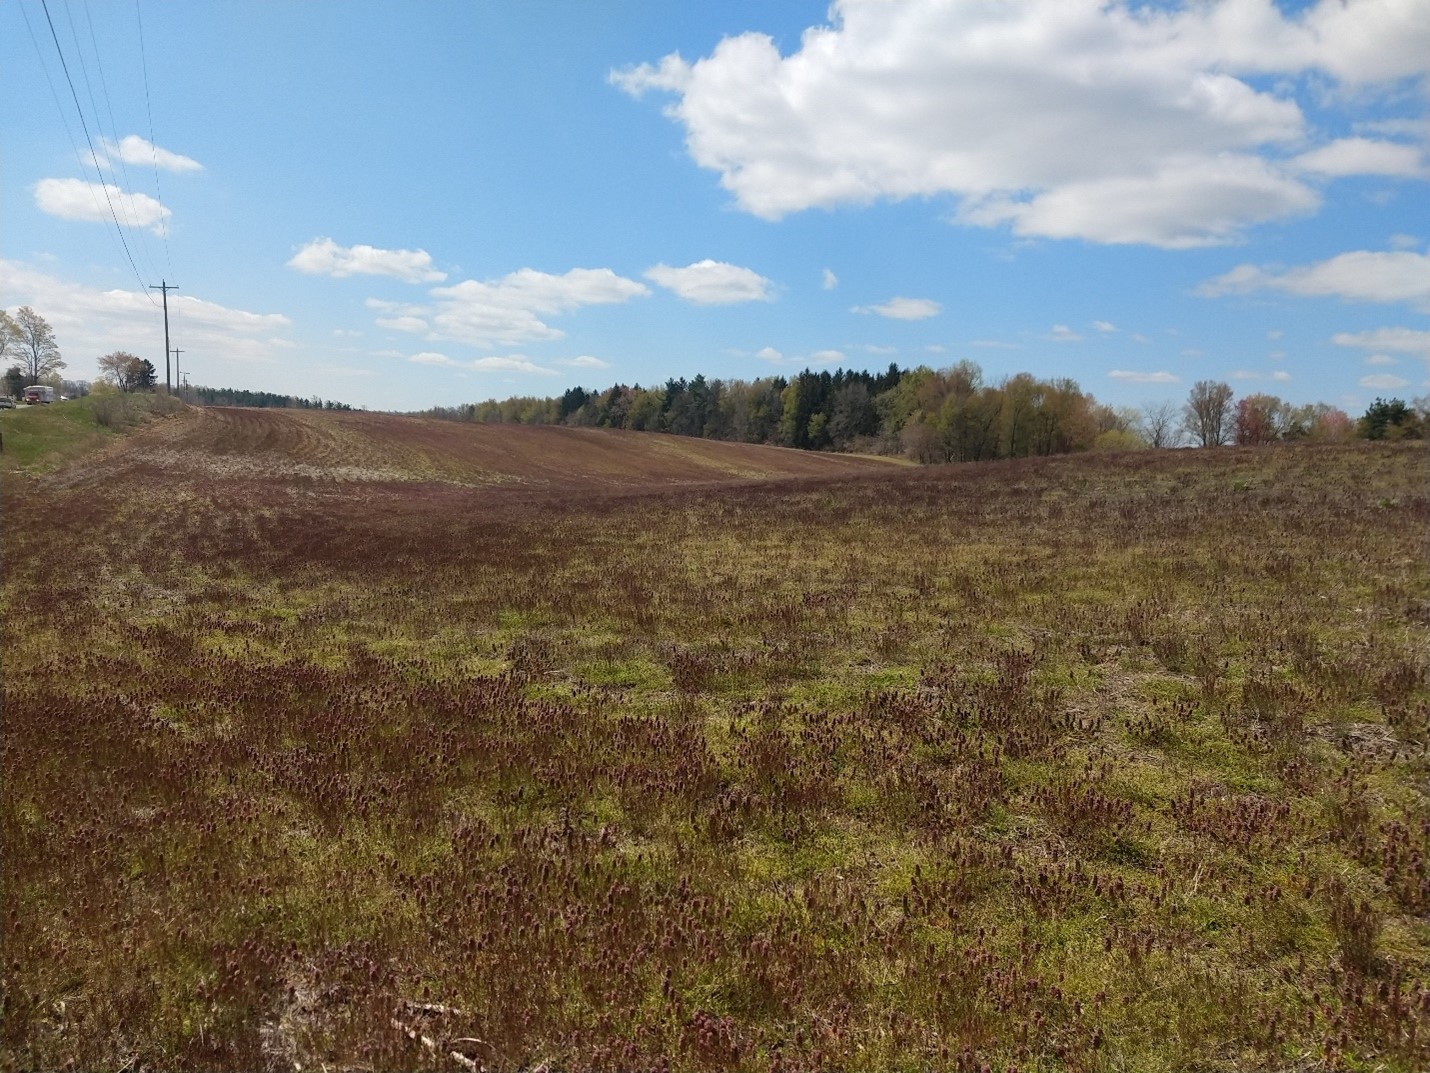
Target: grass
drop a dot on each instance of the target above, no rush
(1086, 764)
(41, 439)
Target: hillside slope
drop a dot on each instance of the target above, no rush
(237, 443)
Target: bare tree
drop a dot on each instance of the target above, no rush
(121, 369)
(1161, 424)
(39, 353)
(1207, 415)
(9, 336)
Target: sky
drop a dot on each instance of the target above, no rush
(405, 205)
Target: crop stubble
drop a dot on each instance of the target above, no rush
(1082, 764)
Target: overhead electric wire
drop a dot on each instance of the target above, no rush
(114, 146)
(93, 155)
(60, 108)
(153, 145)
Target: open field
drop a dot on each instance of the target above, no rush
(229, 442)
(1090, 763)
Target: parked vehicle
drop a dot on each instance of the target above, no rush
(6, 402)
(39, 393)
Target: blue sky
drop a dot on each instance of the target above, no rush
(407, 205)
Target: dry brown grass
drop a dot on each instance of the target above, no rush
(1084, 764)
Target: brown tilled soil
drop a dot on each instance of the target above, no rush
(223, 442)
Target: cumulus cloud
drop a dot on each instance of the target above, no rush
(829, 280)
(1401, 340)
(324, 257)
(511, 363)
(1384, 381)
(1129, 376)
(1358, 276)
(770, 354)
(87, 321)
(1061, 333)
(712, 283)
(430, 357)
(903, 309)
(76, 199)
(509, 310)
(585, 361)
(1104, 326)
(1381, 359)
(133, 149)
(1112, 121)
(1363, 156)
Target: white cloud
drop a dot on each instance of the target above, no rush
(508, 311)
(903, 309)
(993, 344)
(1403, 242)
(829, 281)
(1274, 334)
(1101, 119)
(1401, 340)
(324, 257)
(1129, 376)
(874, 348)
(1363, 156)
(512, 363)
(1384, 381)
(585, 361)
(1381, 359)
(430, 357)
(1104, 326)
(710, 282)
(414, 325)
(76, 199)
(1061, 333)
(89, 322)
(1188, 203)
(133, 149)
(1358, 276)
(1280, 375)
(817, 358)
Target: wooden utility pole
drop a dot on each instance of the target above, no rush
(166, 287)
(177, 378)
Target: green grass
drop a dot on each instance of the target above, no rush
(40, 439)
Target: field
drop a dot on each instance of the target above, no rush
(357, 742)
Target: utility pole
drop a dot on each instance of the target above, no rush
(166, 287)
(177, 377)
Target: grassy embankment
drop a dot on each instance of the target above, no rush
(1094, 763)
(39, 439)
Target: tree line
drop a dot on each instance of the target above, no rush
(944, 415)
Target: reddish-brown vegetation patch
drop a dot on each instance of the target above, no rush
(1056, 765)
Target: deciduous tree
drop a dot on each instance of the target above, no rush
(39, 353)
(1207, 414)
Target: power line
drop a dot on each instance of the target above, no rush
(153, 145)
(60, 108)
(143, 244)
(93, 155)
